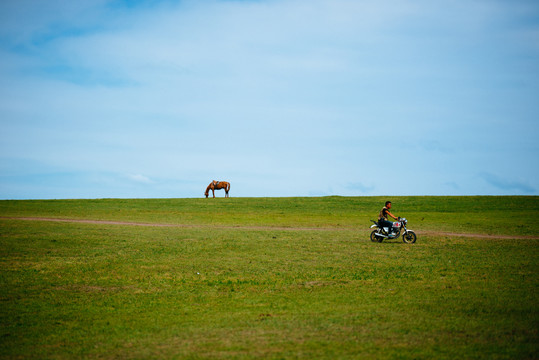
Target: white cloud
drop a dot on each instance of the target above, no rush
(140, 178)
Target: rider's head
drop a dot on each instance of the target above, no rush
(388, 204)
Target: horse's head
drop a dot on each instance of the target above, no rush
(206, 194)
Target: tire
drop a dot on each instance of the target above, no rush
(409, 237)
(375, 237)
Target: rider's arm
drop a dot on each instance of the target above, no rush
(393, 216)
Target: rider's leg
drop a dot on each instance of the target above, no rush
(386, 224)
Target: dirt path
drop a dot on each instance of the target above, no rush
(248, 227)
(194, 226)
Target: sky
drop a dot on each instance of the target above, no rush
(155, 99)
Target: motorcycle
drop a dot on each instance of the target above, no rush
(380, 233)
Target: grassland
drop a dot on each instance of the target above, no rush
(269, 278)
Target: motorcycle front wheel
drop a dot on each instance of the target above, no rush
(409, 237)
(375, 237)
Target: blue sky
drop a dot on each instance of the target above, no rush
(142, 99)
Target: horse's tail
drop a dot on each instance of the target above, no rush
(227, 187)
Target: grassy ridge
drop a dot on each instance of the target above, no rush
(72, 290)
(505, 215)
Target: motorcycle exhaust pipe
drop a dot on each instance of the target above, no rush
(386, 236)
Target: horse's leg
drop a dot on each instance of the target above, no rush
(213, 192)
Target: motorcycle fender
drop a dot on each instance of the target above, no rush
(373, 226)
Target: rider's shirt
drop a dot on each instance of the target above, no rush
(383, 213)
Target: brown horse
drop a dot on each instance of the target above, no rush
(216, 185)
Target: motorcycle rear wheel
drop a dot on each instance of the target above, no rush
(409, 237)
(375, 237)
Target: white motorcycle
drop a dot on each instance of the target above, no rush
(380, 233)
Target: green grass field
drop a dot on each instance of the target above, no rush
(274, 278)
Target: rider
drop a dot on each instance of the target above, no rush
(382, 218)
